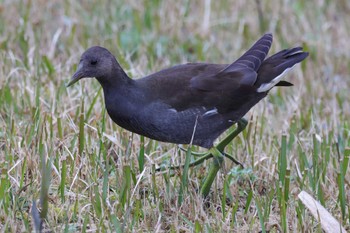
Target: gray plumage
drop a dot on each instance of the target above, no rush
(198, 99)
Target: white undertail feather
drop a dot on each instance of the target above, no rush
(267, 86)
(211, 112)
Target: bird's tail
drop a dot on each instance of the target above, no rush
(275, 67)
(255, 56)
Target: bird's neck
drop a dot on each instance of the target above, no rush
(121, 98)
(116, 79)
(117, 87)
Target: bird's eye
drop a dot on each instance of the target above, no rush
(93, 62)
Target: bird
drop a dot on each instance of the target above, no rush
(191, 103)
(188, 103)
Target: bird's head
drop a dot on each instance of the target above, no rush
(96, 62)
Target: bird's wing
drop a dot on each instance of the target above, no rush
(209, 85)
(241, 72)
(254, 57)
(173, 87)
(195, 86)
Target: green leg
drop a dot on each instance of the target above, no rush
(213, 170)
(241, 124)
(218, 153)
(233, 159)
(204, 156)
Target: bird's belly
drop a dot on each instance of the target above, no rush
(176, 127)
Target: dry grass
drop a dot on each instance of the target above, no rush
(95, 180)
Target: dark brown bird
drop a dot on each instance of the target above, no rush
(194, 101)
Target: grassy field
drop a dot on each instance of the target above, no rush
(60, 150)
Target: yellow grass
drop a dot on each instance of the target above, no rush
(40, 46)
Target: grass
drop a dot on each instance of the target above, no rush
(59, 149)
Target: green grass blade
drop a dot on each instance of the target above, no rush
(341, 182)
(282, 160)
(248, 201)
(141, 157)
(63, 180)
(260, 214)
(81, 129)
(184, 179)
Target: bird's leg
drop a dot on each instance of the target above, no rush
(204, 156)
(218, 154)
(241, 124)
(213, 170)
(195, 154)
(233, 159)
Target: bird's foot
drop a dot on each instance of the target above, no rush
(216, 152)
(203, 157)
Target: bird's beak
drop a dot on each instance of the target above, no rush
(77, 75)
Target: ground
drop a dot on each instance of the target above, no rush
(59, 149)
